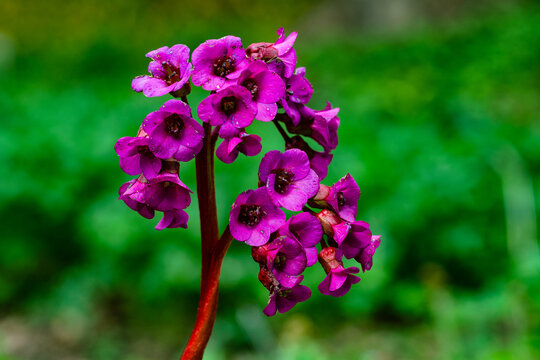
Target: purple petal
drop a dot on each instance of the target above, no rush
(266, 112)
(173, 219)
(268, 163)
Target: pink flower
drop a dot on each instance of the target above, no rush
(289, 180)
(218, 62)
(170, 69)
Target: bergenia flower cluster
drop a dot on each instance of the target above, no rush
(260, 82)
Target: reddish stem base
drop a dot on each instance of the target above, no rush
(213, 250)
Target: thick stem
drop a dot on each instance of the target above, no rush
(206, 193)
(212, 250)
(206, 314)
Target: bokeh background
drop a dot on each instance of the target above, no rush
(440, 125)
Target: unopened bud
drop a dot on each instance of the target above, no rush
(328, 219)
(327, 258)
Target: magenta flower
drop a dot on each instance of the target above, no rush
(282, 299)
(218, 62)
(254, 217)
(232, 108)
(285, 257)
(342, 197)
(325, 126)
(247, 144)
(163, 193)
(281, 54)
(173, 219)
(266, 89)
(173, 132)
(338, 280)
(365, 258)
(307, 229)
(354, 238)
(143, 209)
(318, 161)
(289, 180)
(320, 125)
(136, 157)
(298, 93)
(170, 69)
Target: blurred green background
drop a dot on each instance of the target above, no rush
(440, 126)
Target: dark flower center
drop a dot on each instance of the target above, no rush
(174, 124)
(252, 86)
(223, 66)
(143, 150)
(340, 199)
(173, 74)
(283, 179)
(279, 261)
(228, 104)
(251, 215)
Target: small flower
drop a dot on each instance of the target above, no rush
(163, 193)
(217, 62)
(338, 280)
(289, 180)
(232, 108)
(282, 299)
(298, 93)
(254, 217)
(354, 239)
(266, 89)
(173, 132)
(285, 257)
(136, 157)
(143, 209)
(173, 219)
(342, 197)
(365, 258)
(318, 161)
(170, 69)
(281, 54)
(320, 125)
(247, 144)
(307, 230)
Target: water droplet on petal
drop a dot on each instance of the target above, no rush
(262, 231)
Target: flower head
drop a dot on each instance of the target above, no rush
(307, 230)
(282, 298)
(217, 62)
(355, 237)
(232, 108)
(285, 257)
(289, 180)
(173, 132)
(247, 144)
(163, 193)
(266, 89)
(136, 157)
(281, 54)
(254, 217)
(170, 69)
(143, 209)
(338, 280)
(365, 258)
(342, 197)
(321, 125)
(298, 93)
